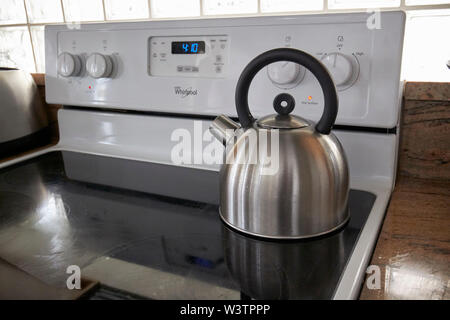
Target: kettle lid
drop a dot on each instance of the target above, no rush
(283, 104)
(281, 121)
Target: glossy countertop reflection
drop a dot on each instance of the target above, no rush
(413, 249)
(154, 230)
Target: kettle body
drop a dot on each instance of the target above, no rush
(307, 196)
(23, 119)
(300, 188)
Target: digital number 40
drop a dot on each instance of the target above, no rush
(194, 47)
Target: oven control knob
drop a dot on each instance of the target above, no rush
(69, 65)
(285, 74)
(340, 68)
(99, 65)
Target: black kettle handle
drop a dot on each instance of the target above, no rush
(330, 109)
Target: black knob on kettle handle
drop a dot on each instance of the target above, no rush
(330, 109)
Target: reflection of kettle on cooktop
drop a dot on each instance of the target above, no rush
(303, 269)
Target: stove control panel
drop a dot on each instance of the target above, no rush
(193, 56)
(192, 66)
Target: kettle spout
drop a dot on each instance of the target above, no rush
(223, 128)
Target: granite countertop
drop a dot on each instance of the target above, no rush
(413, 249)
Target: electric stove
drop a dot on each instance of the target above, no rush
(129, 193)
(67, 208)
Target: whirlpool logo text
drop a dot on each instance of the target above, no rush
(185, 92)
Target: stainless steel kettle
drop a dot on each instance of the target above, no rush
(307, 194)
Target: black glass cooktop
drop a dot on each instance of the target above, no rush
(154, 230)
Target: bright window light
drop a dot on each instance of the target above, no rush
(15, 48)
(12, 12)
(130, 9)
(83, 10)
(290, 5)
(218, 7)
(40, 11)
(425, 2)
(358, 4)
(426, 53)
(175, 8)
(38, 40)
(426, 50)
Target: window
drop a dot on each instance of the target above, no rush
(425, 2)
(15, 48)
(123, 10)
(12, 12)
(44, 11)
(357, 4)
(175, 8)
(290, 5)
(219, 7)
(22, 24)
(427, 48)
(38, 42)
(83, 10)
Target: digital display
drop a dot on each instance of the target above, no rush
(188, 47)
